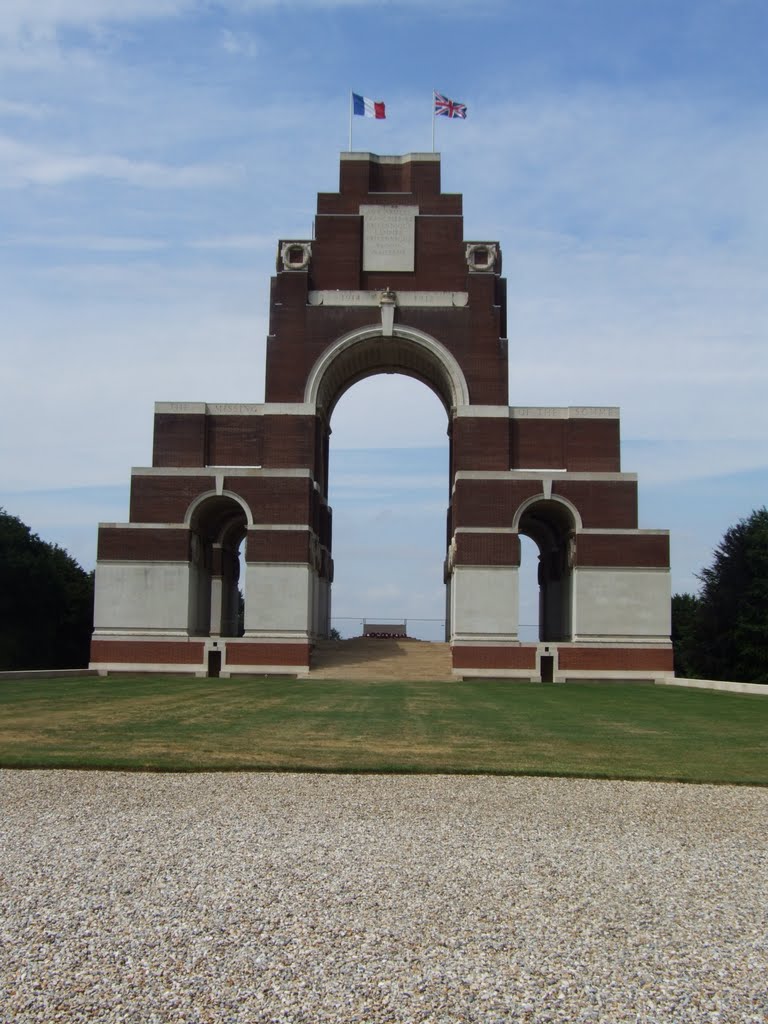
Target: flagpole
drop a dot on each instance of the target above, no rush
(350, 120)
(433, 120)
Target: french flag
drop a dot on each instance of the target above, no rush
(364, 107)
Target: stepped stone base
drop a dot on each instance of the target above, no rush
(368, 659)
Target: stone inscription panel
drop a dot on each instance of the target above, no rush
(234, 409)
(590, 412)
(185, 408)
(339, 297)
(389, 237)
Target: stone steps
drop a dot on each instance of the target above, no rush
(368, 659)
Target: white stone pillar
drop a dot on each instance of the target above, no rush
(217, 605)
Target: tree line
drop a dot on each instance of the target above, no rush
(722, 632)
(46, 602)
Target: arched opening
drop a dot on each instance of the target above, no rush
(365, 352)
(388, 561)
(550, 524)
(528, 576)
(218, 525)
(388, 487)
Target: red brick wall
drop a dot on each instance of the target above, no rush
(579, 445)
(337, 252)
(148, 652)
(494, 657)
(190, 440)
(271, 499)
(179, 439)
(618, 550)
(267, 654)
(124, 544)
(235, 440)
(164, 499)
(289, 442)
(487, 549)
(420, 179)
(480, 443)
(358, 177)
(275, 499)
(300, 335)
(617, 659)
(278, 546)
(490, 502)
(607, 504)
(593, 446)
(537, 444)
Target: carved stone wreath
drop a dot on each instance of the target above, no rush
(481, 256)
(295, 255)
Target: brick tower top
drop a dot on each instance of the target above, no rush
(388, 250)
(390, 179)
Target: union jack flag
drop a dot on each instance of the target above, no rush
(448, 108)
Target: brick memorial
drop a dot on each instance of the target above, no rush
(388, 284)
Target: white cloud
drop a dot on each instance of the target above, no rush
(88, 243)
(250, 6)
(34, 111)
(128, 244)
(39, 16)
(674, 461)
(625, 163)
(122, 339)
(241, 44)
(22, 164)
(18, 16)
(413, 478)
(235, 242)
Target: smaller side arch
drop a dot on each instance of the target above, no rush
(207, 495)
(521, 510)
(552, 524)
(218, 521)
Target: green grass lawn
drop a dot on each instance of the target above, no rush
(180, 724)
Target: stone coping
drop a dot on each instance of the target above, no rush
(761, 689)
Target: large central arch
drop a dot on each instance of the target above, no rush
(367, 351)
(389, 492)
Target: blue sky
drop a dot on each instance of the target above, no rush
(153, 151)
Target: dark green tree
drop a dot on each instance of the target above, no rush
(685, 615)
(732, 621)
(46, 602)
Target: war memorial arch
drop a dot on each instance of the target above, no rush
(387, 284)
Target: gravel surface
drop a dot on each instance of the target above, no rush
(309, 898)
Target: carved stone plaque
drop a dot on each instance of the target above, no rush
(389, 236)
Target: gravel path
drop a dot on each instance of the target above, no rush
(307, 898)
